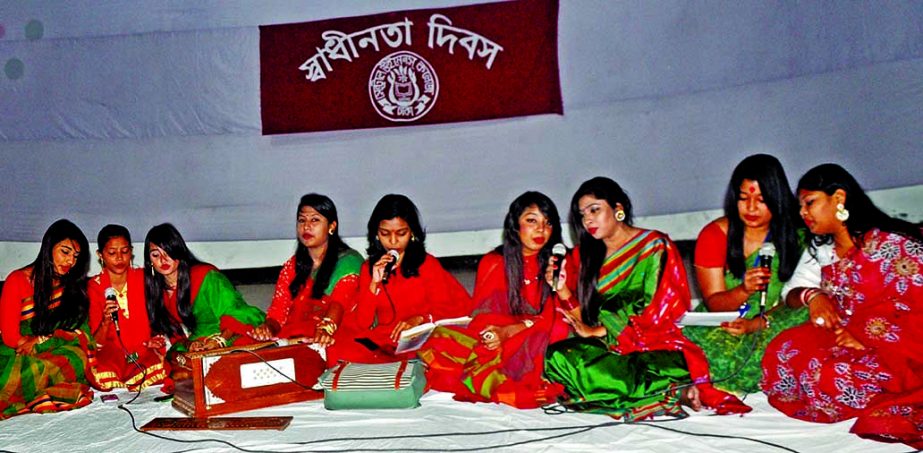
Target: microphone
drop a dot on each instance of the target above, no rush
(389, 268)
(558, 252)
(767, 251)
(110, 295)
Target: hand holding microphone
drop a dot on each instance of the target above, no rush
(766, 254)
(557, 252)
(389, 267)
(114, 314)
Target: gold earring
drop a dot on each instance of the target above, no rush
(620, 215)
(842, 214)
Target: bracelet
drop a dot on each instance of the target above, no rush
(217, 338)
(808, 295)
(327, 326)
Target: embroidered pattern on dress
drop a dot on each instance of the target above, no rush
(879, 328)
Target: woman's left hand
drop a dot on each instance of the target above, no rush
(27, 344)
(204, 344)
(157, 342)
(408, 323)
(741, 326)
(494, 336)
(580, 328)
(846, 339)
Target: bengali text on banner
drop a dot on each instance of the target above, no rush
(477, 62)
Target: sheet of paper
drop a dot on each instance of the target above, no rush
(695, 318)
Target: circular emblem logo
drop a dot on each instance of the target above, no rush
(403, 87)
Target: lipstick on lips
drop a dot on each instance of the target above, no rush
(165, 267)
(539, 240)
(592, 230)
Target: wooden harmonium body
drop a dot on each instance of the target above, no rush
(250, 377)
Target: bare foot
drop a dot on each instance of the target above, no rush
(690, 398)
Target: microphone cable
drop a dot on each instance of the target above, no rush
(572, 430)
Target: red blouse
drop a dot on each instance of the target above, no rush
(133, 321)
(434, 293)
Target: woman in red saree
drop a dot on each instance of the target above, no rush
(396, 294)
(861, 353)
(127, 355)
(499, 356)
(47, 352)
(315, 284)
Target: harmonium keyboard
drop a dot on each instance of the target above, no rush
(249, 377)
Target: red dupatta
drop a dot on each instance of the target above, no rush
(655, 330)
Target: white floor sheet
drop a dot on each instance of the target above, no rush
(103, 427)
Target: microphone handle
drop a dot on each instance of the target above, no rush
(386, 274)
(765, 263)
(556, 273)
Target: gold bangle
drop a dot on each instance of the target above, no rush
(218, 338)
(327, 326)
(812, 296)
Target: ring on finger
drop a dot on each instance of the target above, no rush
(819, 321)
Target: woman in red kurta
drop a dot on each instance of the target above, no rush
(861, 354)
(316, 283)
(499, 356)
(396, 294)
(127, 356)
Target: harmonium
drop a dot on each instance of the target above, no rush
(249, 377)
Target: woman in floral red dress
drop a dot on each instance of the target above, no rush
(861, 354)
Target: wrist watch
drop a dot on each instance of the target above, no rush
(528, 323)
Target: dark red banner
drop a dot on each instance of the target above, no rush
(477, 62)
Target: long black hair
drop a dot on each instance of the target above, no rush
(72, 312)
(767, 171)
(592, 250)
(391, 206)
(863, 214)
(168, 238)
(335, 246)
(511, 249)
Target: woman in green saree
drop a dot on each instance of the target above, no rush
(629, 359)
(759, 208)
(47, 350)
(191, 302)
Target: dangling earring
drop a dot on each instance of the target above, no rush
(413, 238)
(842, 214)
(330, 233)
(620, 215)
